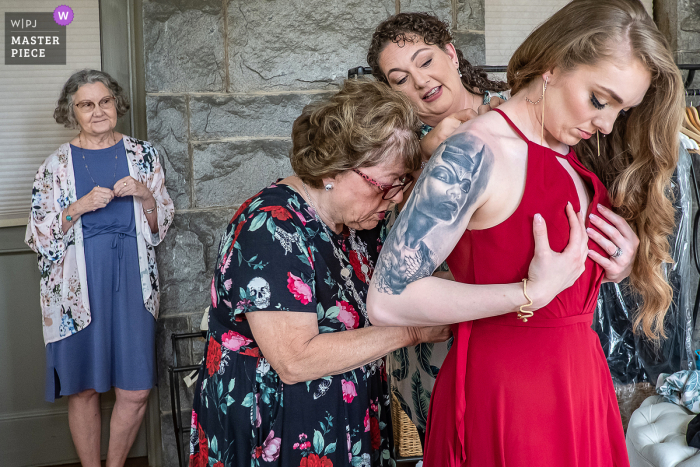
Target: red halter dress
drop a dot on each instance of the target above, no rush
(535, 394)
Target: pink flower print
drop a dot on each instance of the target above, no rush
(367, 421)
(373, 405)
(258, 420)
(300, 216)
(299, 288)
(234, 341)
(296, 446)
(348, 316)
(349, 392)
(226, 262)
(271, 447)
(302, 437)
(214, 297)
(227, 284)
(194, 419)
(349, 446)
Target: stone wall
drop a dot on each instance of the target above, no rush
(224, 82)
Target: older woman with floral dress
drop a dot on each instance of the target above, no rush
(294, 374)
(99, 206)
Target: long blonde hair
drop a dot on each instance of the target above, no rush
(638, 157)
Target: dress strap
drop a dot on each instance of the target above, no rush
(510, 122)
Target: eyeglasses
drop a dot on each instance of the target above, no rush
(88, 106)
(389, 190)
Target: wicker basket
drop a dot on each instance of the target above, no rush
(406, 438)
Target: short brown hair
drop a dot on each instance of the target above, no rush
(64, 112)
(356, 127)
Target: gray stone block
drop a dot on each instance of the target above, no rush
(691, 57)
(165, 327)
(472, 44)
(470, 15)
(222, 116)
(297, 44)
(184, 46)
(168, 444)
(228, 173)
(440, 8)
(167, 130)
(186, 260)
(689, 15)
(196, 344)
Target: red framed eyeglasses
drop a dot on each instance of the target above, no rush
(389, 190)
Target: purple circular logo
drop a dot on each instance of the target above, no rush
(63, 15)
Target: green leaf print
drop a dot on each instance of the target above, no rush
(421, 399)
(330, 449)
(231, 384)
(258, 221)
(319, 444)
(401, 357)
(249, 400)
(356, 448)
(424, 352)
(332, 312)
(271, 227)
(319, 312)
(254, 205)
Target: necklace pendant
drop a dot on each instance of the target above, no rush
(345, 273)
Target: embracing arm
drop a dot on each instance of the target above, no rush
(453, 186)
(292, 344)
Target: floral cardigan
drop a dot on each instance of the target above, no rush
(64, 293)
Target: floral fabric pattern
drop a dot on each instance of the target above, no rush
(64, 294)
(275, 255)
(681, 388)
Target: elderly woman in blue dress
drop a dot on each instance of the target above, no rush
(99, 206)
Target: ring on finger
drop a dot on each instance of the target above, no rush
(124, 183)
(617, 253)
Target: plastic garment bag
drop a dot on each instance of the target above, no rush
(634, 359)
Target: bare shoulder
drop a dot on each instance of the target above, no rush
(492, 128)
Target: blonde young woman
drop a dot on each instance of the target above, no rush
(526, 382)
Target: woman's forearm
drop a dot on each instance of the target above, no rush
(291, 343)
(74, 212)
(150, 210)
(433, 301)
(338, 352)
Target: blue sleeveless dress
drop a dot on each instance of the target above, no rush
(118, 347)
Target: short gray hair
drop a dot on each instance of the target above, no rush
(64, 113)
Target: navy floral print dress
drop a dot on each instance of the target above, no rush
(275, 255)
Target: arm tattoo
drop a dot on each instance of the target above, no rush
(435, 215)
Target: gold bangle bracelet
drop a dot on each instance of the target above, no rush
(524, 314)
